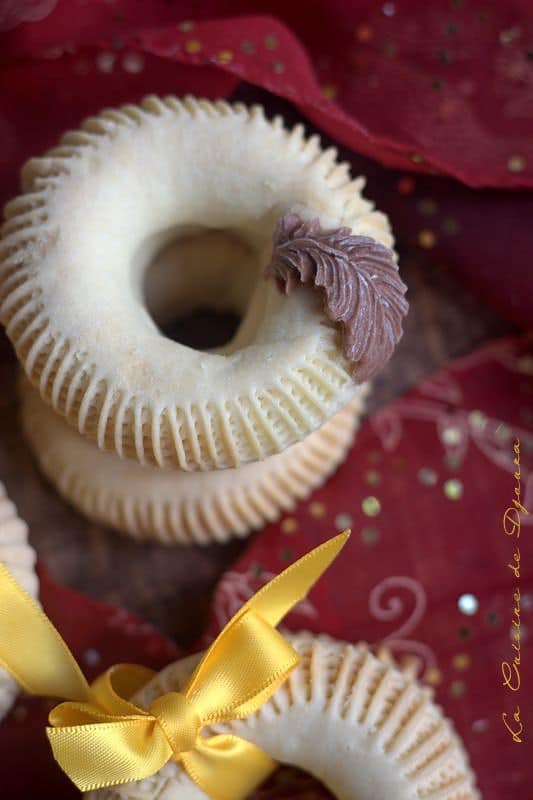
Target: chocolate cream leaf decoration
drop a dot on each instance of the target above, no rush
(364, 291)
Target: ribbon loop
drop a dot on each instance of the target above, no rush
(101, 738)
(179, 720)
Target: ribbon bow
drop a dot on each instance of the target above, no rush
(100, 738)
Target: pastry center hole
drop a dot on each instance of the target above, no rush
(198, 287)
(292, 782)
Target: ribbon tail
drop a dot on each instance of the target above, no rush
(32, 650)
(110, 753)
(227, 767)
(277, 598)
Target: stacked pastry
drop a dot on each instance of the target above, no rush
(151, 210)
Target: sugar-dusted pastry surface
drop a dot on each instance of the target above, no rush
(75, 246)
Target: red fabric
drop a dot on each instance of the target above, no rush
(450, 82)
(444, 80)
(398, 580)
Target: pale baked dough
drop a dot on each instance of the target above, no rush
(176, 506)
(95, 212)
(359, 725)
(19, 557)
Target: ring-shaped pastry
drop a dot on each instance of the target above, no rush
(98, 208)
(358, 724)
(175, 506)
(19, 557)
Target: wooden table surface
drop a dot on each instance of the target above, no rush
(171, 587)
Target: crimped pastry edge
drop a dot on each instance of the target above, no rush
(285, 410)
(19, 557)
(183, 507)
(342, 714)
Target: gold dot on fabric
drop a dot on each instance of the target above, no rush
(516, 164)
(457, 688)
(427, 476)
(278, 67)
(461, 661)
(450, 226)
(186, 26)
(20, 713)
(193, 46)
(427, 239)
(451, 435)
(453, 489)
(370, 535)
(452, 461)
(105, 61)
(133, 63)
(373, 477)
(374, 456)
(364, 33)
(405, 185)
(399, 464)
(427, 207)
(389, 49)
(477, 420)
(509, 35)
(416, 158)
(225, 56)
(468, 604)
(371, 506)
(317, 510)
(433, 676)
(329, 91)
(271, 42)
(343, 521)
(289, 525)
(247, 47)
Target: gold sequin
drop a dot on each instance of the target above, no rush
(373, 477)
(457, 689)
(186, 26)
(516, 164)
(278, 67)
(369, 535)
(317, 510)
(193, 46)
(225, 56)
(271, 42)
(461, 661)
(343, 521)
(371, 506)
(374, 456)
(364, 33)
(427, 239)
(451, 435)
(329, 91)
(453, 489)
(427, 476)
(247, 47)
(289, 525)
(433, 676)
(405, 185)
(468, 604)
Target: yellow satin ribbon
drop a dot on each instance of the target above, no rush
(100, 738)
